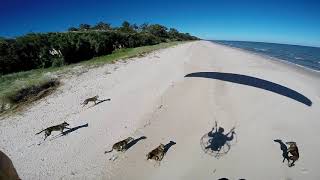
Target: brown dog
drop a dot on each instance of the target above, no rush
(157, 154)
(293, 150)
(121, 146)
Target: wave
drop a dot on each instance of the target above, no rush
(260, 49)
(299, 58)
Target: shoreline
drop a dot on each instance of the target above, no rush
(159, 102)
(270, 57)
(259, 117)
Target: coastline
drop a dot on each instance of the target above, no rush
(159, 102)
(259, 118)
(269, 57)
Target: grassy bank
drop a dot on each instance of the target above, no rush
(25, 87)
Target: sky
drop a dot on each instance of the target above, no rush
(279, 21)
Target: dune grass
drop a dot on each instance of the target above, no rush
(12, 85)
(128, 53)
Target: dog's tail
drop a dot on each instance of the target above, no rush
(40, 132)
(108, 151)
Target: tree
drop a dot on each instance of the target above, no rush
(126, 27)
(173, 34)
(84, 27)
(8, 59)
(102, 26)
(135, 27)
(158, 30)
(144, 27)
(72, 29)
(34, 50)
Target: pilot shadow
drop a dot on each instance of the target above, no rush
(217, 142)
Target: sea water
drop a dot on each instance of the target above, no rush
(305, 56)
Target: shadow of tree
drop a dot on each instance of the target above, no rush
(254, 82)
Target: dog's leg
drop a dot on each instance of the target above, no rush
(157, 164)
(45, 137)
(114, 157)
(46, 134)
(289, 165)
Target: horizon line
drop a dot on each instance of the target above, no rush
(313, 46)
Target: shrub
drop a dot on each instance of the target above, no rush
(34, 51)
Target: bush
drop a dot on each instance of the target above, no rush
(34, 91)
(57, 62)
(37, 50)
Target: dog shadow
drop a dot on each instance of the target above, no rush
(168, 146)
(100, 101)
(284, 149)
(74, 129)
(67, 132)
(135, 141)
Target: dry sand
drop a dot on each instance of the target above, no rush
(151, 97)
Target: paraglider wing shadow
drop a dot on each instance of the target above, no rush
(254, 82)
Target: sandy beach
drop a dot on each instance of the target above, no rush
(150, 96)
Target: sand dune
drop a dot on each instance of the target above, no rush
(151, 97)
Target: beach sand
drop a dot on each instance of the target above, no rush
(151, 97)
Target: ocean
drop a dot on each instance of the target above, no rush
(305, 56)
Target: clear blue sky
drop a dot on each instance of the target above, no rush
(282, 21)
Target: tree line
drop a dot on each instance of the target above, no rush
(42, 50)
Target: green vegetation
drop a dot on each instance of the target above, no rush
(44, 50)
(128, 53)
(30, 63)
(24, 87)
